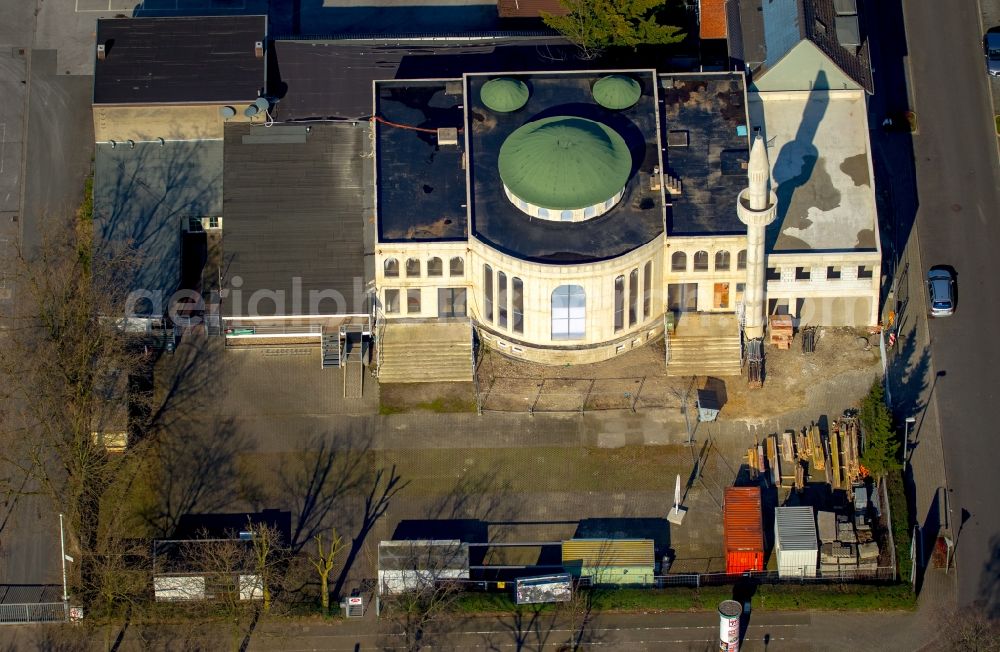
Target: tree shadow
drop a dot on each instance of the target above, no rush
(989, 582)
(317, 479)
(381, 488)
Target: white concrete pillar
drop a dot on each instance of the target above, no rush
(756, 207)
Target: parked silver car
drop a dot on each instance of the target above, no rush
(941, 286)
(993, 53)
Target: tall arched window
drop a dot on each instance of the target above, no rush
(413, 267)
(701, 261)
(435, 267)
(501, 300)
(569, 313)
(647, 289)
(741, 259)
(391, 267)
(722, 261)
(633, 297)
(487, 293)
(679, 262)
(517, 305)
(456, 267)
(619, 303)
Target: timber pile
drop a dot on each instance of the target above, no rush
(845, 453)
(781, 330)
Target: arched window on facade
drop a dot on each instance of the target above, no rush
(678, 262)
(741, 259)
(435, 267)
(487, 293)
(722, 261)
(517, 305)
(413, 267)
(647, 289)
(633, 298)
(701, 261)
(569, 313)
(391, 267)
(456, 267)
(619, 303)
(501, 300)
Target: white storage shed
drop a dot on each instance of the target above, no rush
(795, 541)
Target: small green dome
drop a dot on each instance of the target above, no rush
(504, 94)
(565, 163)
(617, 92)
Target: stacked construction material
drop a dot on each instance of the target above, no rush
(843, 548)
(781, 330)
(743, 529)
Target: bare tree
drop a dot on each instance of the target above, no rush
(323, 561)
(66, 372)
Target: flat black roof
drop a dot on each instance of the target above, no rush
(167, 60)
(708, 112)
(421, 185)
(321, 79)
(636, 220)
(295, 203)
(144, 196)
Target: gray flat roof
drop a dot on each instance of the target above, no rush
(709, 109)
(143, 197)
(795, 528)
(637, 218)
(421, 185)
(190, 59)
(295, 205)
(818, 149)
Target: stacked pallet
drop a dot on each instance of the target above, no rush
(844, 549)
(781, 330)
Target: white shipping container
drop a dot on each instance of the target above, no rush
(795, 541)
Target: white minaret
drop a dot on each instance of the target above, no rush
(756, 208)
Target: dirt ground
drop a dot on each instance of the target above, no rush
(638, 379)
(426, 397)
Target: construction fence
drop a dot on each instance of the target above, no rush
(34, 612)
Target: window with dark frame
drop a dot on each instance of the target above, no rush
(773, 274)
(413, 267)
(569, 313)
(633, 297)
(741, 260)
(865, 271)
(501, 300)
(488, 293)
(517, 305)
(803, 273)
(619, 303)
(701, 261)
(435, 267)
(678, 262)
(413, 301)
(833, 272)
(647, 289)
(456, 266)
(722, 260)
(391, 303)
(391, 267)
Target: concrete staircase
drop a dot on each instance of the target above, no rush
(426, 352)
(704, 355)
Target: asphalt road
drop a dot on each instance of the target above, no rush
(958, 224)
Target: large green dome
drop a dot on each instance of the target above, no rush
(565, 163)
(504, 94)
(617, 92)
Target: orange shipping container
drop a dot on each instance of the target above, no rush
(742, 529)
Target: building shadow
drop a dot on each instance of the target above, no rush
(799, 155)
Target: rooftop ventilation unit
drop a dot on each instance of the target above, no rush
(258, 49)
(677, 138)
(102, 52)
(259, 105)
(453, 88)
(848, 32)
(447, 136)
(845, 7)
